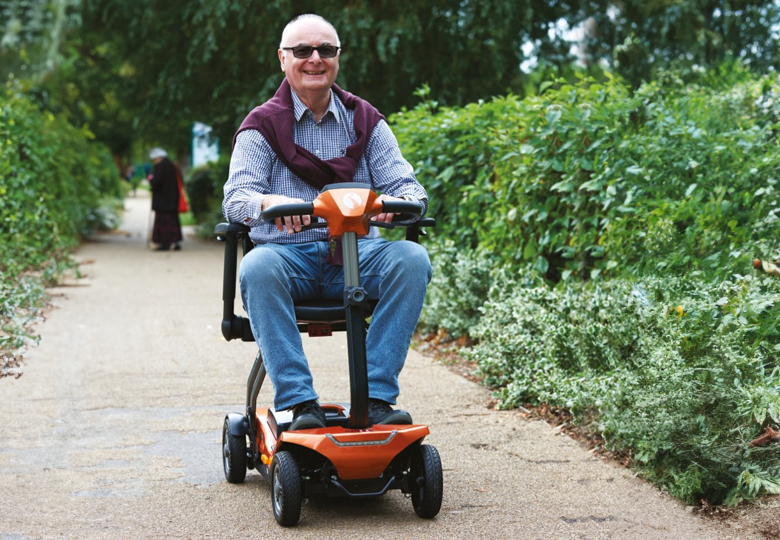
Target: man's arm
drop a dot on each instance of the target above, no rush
(390, 172)
(248, 181)
(248, 189)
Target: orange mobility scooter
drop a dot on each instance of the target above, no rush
(349, 457)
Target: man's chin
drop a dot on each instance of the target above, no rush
(316, 86)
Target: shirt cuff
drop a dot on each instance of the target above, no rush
(254, 209)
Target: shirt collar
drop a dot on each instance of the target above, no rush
(300, 109)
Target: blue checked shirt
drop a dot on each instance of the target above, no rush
(256, 172)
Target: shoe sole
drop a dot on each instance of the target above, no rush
(398, 419)
(305, 423)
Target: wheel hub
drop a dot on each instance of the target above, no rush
(277, 487)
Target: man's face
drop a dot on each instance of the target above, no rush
(314, 75)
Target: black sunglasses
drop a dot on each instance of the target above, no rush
(305, 51)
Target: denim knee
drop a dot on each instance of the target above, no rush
(261, 266)
(415, 261)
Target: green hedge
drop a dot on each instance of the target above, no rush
(204, 193)
(587, 180)
(683, 389)
(595, 245)
(55, 186)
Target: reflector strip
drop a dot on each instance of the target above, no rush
(363, 443)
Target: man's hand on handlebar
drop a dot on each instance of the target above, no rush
(385, 218)
(291, 224)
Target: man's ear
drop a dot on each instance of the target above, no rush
(281, 58)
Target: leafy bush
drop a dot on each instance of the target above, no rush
(459, 286)
(641, 211)
(204, 193)
(684, 388)
(466, 272)
(586, 180)
(55, 186)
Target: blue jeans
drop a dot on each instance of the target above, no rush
(273, 276)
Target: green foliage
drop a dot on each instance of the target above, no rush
(149, 68)
(55, 186)
(456, 270)
(31, 33)
(589, 180)
(204, 194)
(213, 61)
(640, 37)
(684, 389)
(642, 211)
(460, 283)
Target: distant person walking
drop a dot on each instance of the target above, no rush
(166, 231)
(130, 177)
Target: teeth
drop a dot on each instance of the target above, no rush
(314, 72)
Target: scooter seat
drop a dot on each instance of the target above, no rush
(326, 310)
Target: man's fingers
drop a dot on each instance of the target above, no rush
(385, 218)
(288, 224)
(292, 224)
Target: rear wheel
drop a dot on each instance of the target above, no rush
(233, 455)
(286, 492)
(428, 481)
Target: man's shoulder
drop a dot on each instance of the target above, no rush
(262, 113)
(259, 120)
(251, 139)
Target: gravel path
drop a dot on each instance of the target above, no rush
(114, 429)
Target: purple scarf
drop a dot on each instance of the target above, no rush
(275, 118)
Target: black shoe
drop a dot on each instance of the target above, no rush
(162, 247)
(177, 247)
(307, 415)
(380, 412)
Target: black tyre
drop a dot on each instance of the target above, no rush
(233, 455)
(286, 489)
(429, 481)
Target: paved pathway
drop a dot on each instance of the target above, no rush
(114, 429)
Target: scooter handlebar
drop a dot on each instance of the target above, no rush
(407, 210)
(290, 209)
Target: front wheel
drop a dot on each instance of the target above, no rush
(428, 481)
(286, 492)
(233, 454)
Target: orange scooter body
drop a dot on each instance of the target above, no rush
(356, 454)
(347, 209)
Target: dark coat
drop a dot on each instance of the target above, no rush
(165, 187)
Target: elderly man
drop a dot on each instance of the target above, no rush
(311, 134)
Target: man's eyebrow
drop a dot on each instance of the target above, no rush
(310, 45)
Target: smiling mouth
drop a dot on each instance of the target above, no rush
(314, 72)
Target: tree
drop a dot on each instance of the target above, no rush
(640, 37)
(149, 68)
(213, 61)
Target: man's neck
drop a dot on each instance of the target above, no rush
(318, 104)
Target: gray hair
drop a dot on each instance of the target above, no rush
(285, 32)
(158, 153)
